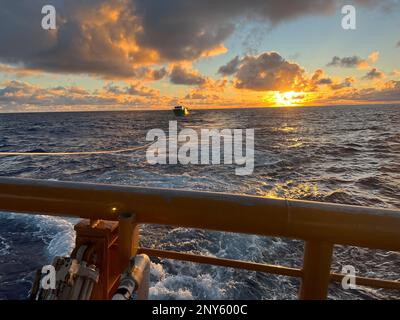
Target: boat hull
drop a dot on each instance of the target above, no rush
(181, 113)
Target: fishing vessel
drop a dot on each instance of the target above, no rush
(181, 111)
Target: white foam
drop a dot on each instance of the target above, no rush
(62, 244)
(4, 246)
(63, 241)
(60, 230)
(184, 287)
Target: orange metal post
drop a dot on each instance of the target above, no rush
(102, 236)
(128, 239)
(316, 270)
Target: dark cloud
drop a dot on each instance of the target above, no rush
(325, 81)
(92, 37)
(87, 39)
(347, 83)
(116, 38)
(18, 94)
(318, 74)
(346, 62)
(196, 96)
(318, 79)
(21, 93)
(132, 90)
(230, 68)
(159, 74)
(182, 76)
(137, 90)
(269, 72)
(186, 29)
(374, 74)
(389, 93)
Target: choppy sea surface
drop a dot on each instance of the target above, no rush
(348, 155)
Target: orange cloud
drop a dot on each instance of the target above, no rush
(18, 72)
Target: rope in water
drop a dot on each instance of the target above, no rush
(83, 153)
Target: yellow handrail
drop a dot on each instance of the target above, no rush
(320, 225)
(260, 267)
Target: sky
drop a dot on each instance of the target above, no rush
(155, 54)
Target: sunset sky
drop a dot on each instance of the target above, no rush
(152, 54)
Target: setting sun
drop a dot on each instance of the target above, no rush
(290, 98)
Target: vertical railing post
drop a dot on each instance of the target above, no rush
(128, 239)
(316, 270)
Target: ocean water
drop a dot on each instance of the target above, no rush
(348, 155)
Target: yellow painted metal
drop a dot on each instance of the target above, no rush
(101, 237)
(259, 267)
(316, 270)
(128, 239)
(369, 282)
(339, 224)
(320, 224)
(267, 268)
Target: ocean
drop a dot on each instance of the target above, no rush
(341, 154)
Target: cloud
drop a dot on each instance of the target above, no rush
(148, 74)
(17, 92)
(395, 73)
(83, 43)
(185, 30)
(346, 62)
(347, 83)
(354, 61)
(230, 68)
(95, 37)
(17, 72)
(181, 76)
(390, 92)
(325, 81)
(24, 95)
(117, 38)
(319, 78)
(196, 96)
(398, 44)
(373, 57)
(268, 72)
(374, 74)
(135, 89)
(201, 96)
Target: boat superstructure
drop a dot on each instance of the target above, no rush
(181, 111)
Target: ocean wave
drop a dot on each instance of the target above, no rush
(339, 196)
(316, 154)
(5, 246)
(184, 287)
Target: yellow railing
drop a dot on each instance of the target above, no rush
(320, 225)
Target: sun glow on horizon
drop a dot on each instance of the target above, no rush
(289, 98)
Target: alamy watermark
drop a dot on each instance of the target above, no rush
(48, 281)
(190, 147)
(349, 20)
(349, 280)
(49, 21)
